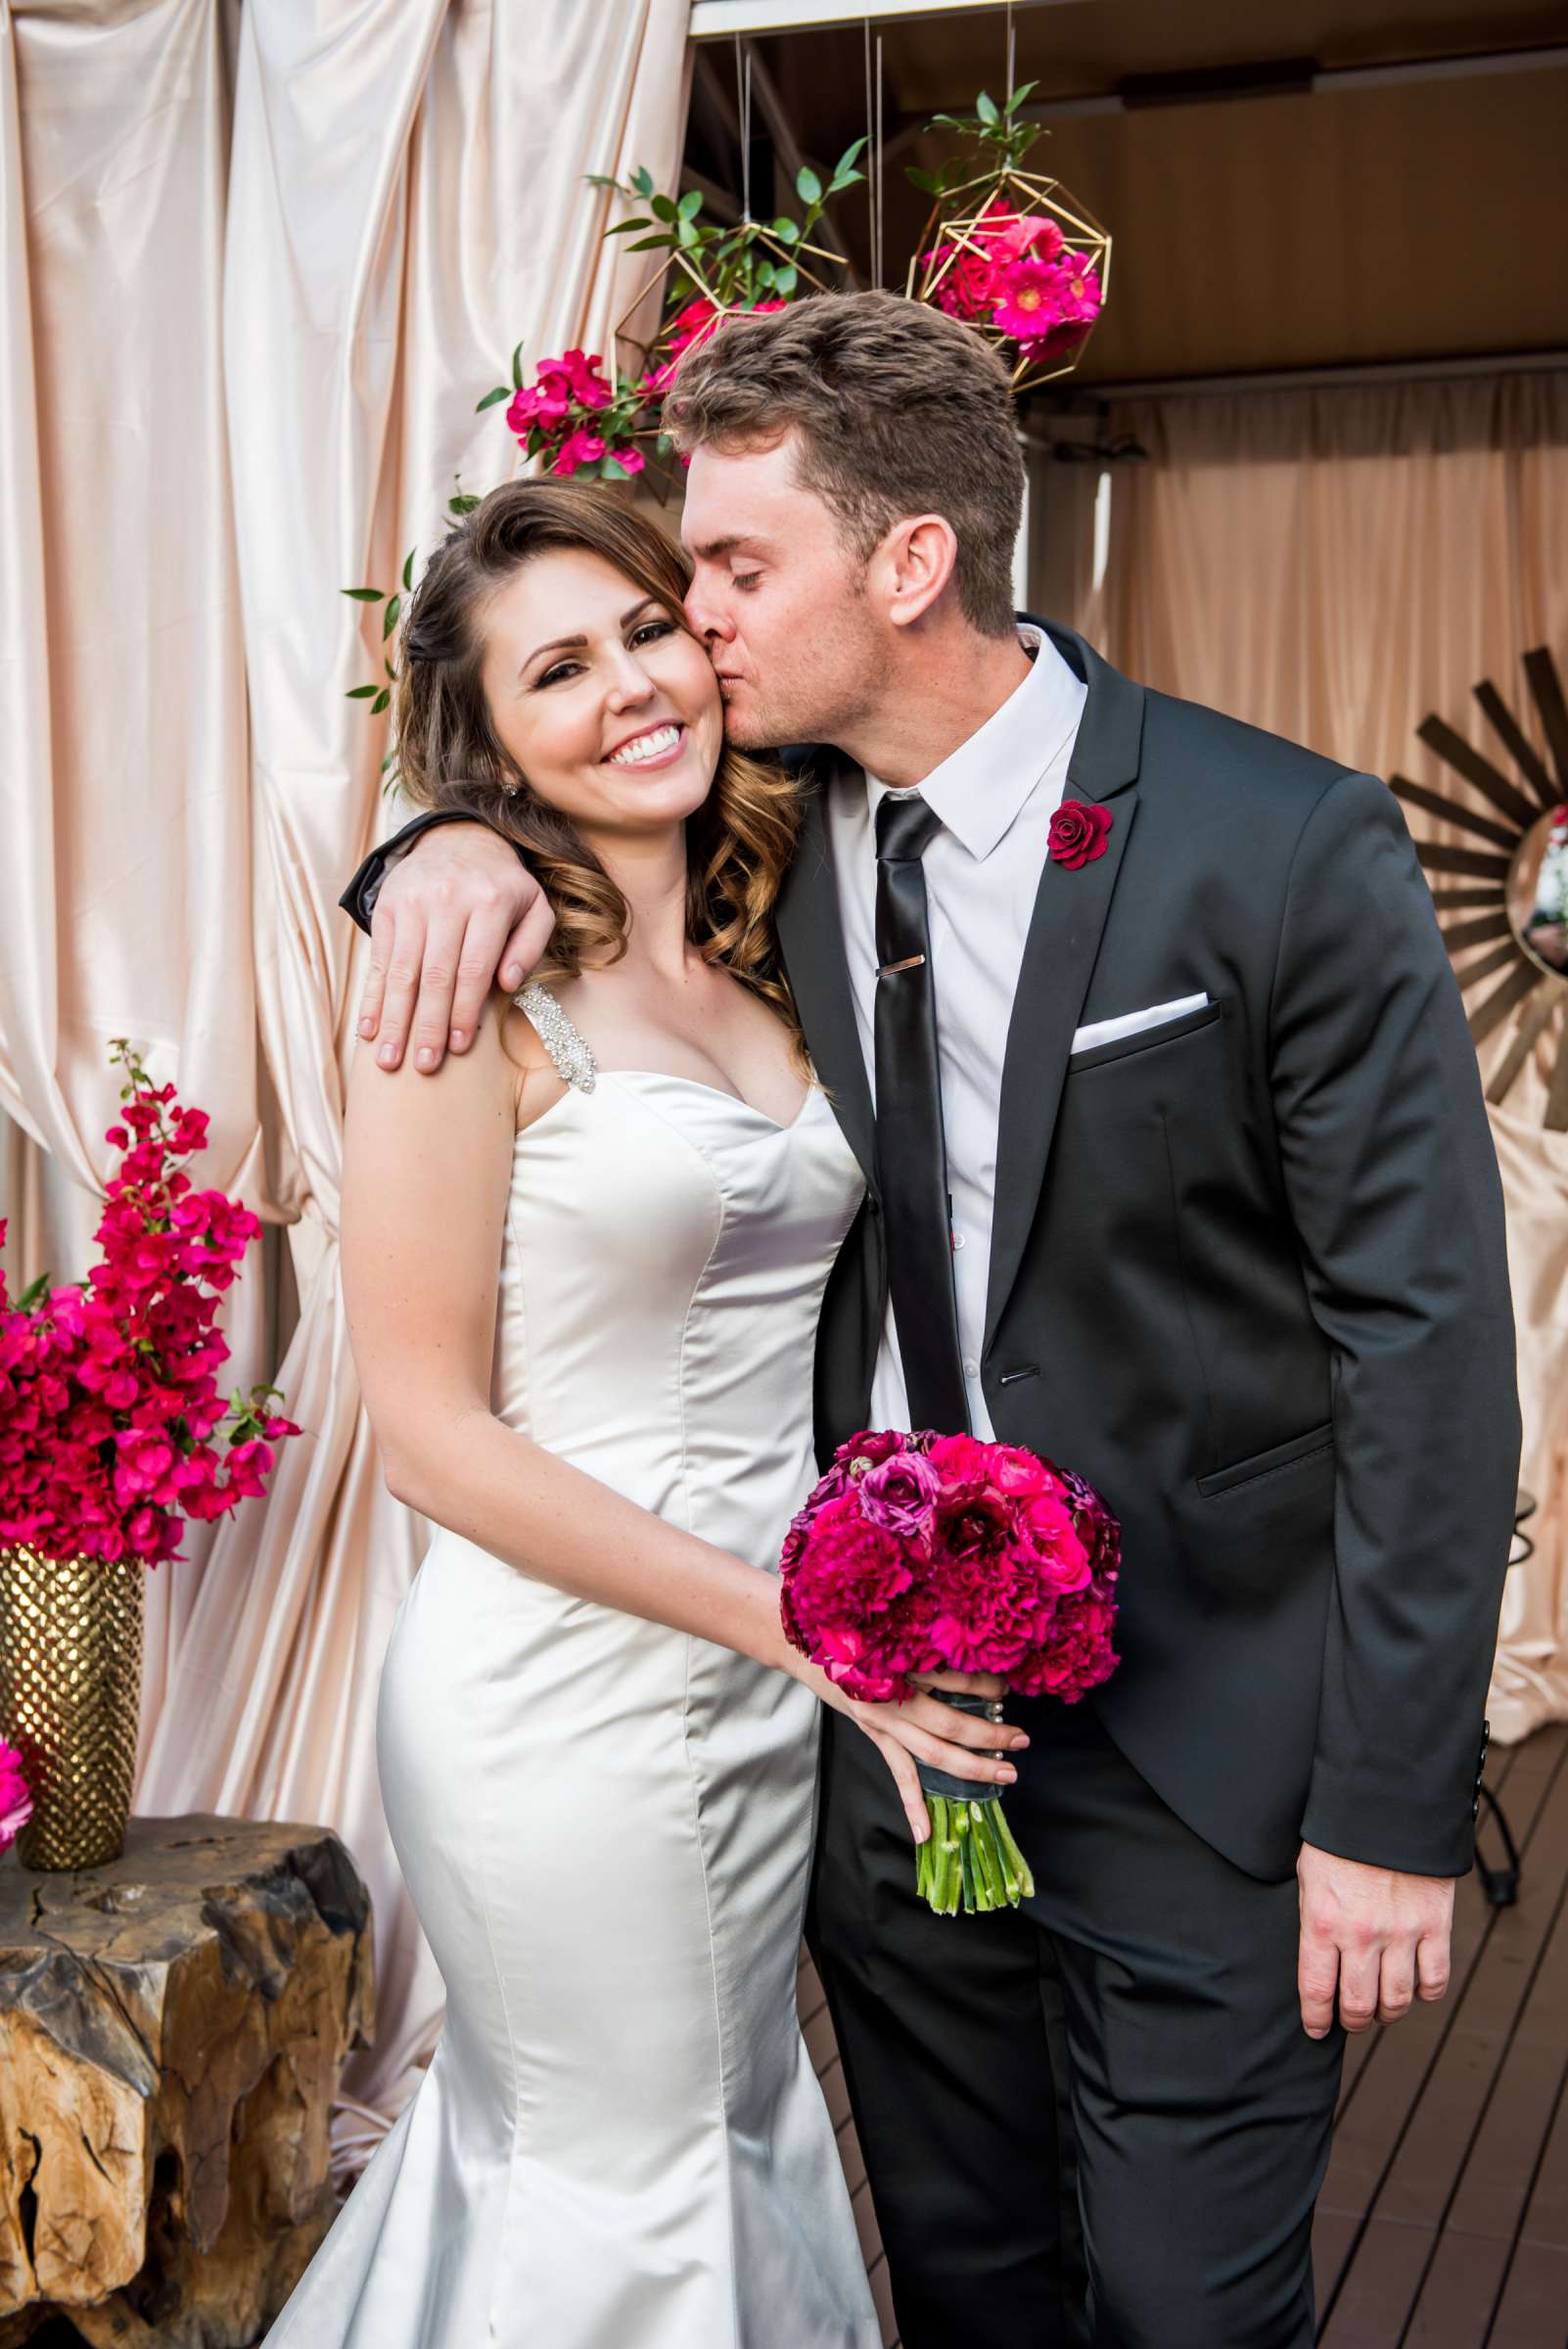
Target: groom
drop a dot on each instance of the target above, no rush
(1140, 1024)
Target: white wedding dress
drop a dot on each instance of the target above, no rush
(606, 1825)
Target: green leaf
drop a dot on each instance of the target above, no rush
(388, 666)
(642, 181)
(786, 230)
(807, 186)
(663, 444)
(461, 504)
(380, 703)
(362, 693)
(501, 391)
(786, 280)
(662, 209)
(517, 368)
(691, 204)
(1019, 95)
(408, 568)
(612, 470)
(366, 595)
(986, 109)
(926, 181)
(846, 179)
(624, 228)
(651, 245)
(388, 618)
(688, 235)
(765, 274)
(849, 155)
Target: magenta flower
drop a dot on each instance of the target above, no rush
(945, 1551)
(1026, 299)
(16, 1802)
(900, 1495)
(578, 449)
(109, 1388)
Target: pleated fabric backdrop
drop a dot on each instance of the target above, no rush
(257, 267)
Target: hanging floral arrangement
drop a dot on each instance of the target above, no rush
(581, 415)
(1008, 251)
(1011, 254)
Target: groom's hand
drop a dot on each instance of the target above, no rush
(458, 904)
(1371, 1941)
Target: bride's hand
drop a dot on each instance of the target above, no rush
(925, 1730)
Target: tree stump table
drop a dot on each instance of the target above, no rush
(173, 2026)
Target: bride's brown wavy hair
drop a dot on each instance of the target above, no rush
(738, 842)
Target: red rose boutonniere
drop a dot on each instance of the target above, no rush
(1078, 834)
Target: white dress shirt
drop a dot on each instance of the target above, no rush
(996, 796)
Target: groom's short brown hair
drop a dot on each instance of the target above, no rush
(899, 410)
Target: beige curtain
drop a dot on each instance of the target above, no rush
(124, 855)
(1333, 565)
(261, 264)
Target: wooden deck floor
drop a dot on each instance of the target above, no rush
(1443, 2219)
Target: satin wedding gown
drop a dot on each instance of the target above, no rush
(605, 1824)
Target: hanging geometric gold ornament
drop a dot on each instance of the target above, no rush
(682, 302)
(713, 270)
(1020, 259)
(1511, 897)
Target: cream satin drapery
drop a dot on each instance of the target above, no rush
(124, 849)
(261, 264)
(1332, 565)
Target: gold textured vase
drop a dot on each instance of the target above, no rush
(70, 1688)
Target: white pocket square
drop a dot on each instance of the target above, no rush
(1133, 1023)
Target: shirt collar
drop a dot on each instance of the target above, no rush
(980, 787)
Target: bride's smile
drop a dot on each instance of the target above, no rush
(603, 699)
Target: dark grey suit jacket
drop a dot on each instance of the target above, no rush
(1247, 1276)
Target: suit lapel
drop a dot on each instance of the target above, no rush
(812, 939)
(1071, 908)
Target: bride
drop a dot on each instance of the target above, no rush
(584, 1267)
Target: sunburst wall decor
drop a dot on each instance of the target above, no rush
(1510, 897)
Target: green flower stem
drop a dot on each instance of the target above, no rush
(1012, 1854)
(988, 1856)
(966, 1857)
(971, 1854)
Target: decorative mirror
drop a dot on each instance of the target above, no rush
(1510, 897)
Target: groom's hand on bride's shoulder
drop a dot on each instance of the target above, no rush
(458, 908)
(1372, 1941)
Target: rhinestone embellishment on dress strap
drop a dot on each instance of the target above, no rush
(569, 1052)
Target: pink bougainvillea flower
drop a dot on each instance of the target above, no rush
(582, 373)
(578, 449)
(16, 1803)
(630, 460)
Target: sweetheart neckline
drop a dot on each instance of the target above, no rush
(695, 1083)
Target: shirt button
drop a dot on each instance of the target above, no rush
(971, 1369)
(957, 1239)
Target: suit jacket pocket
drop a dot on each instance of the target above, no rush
(1146, 1040)
(1291, 1455)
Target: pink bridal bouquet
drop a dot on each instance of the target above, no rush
(927, 1553)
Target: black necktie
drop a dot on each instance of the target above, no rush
(911, 1151)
